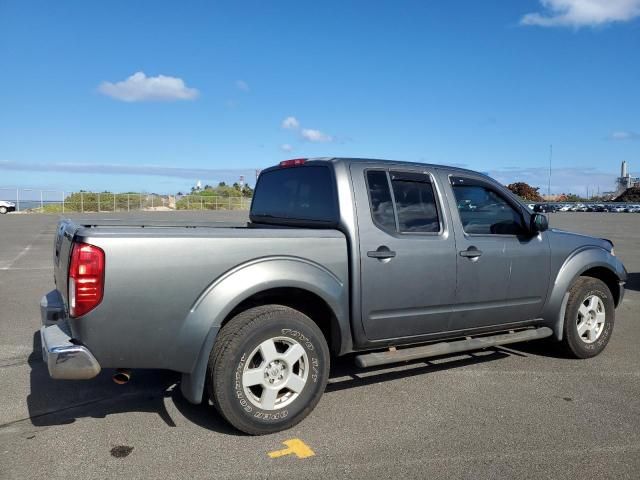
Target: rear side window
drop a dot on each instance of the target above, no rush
(413, 202)
(380, 198)
(295, 195)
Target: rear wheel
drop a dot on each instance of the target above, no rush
(3, 210)
(268, 369)
(589, 318)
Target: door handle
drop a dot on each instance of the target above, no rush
(471, 252)
(381, 253)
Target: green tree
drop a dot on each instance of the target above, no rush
(247, 191)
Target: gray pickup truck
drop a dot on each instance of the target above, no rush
(387, 261)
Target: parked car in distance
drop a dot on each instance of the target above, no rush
(596, 208)
(6, 207)
(383, 260)
(545, 208)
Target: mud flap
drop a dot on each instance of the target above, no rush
(192, 384)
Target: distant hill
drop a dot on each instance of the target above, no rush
(629, 195)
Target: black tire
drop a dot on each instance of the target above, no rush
(235, 348)
(3, 210)
(580, 291)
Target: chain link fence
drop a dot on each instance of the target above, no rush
(58, 201)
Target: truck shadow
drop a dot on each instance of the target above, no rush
(633, 281)
(59, 402)
(345, 375)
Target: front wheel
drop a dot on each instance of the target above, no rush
(3, 210)
(589, 318)
(268, 369)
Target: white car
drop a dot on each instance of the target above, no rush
(6, 207)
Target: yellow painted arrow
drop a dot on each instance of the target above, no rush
(295, 447)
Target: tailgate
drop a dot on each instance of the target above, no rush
(61, 255)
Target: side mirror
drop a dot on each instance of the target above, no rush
(538, 223)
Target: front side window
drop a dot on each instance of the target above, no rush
(413, 202)
(485, 212)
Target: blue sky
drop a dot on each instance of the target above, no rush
(152, 96)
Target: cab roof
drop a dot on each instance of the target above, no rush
(350, 160)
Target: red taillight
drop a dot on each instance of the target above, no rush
(86, 278)
(295, 162)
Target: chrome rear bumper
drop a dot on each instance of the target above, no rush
(65, 359)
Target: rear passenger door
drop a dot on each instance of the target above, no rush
(407, 253)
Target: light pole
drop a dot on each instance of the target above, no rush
(549, 183)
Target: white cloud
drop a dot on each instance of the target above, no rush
(242, 85)
(315, 135)
(139, 88)
(580, 13)
(309, 134)
(285, 147)
(291, 123)
(624, 135)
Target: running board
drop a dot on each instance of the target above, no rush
(445, 348)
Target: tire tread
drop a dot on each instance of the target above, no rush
(229, 340)
(575, 347)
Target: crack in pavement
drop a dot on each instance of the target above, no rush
(16, 362)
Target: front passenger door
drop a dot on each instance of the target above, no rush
(502, 270)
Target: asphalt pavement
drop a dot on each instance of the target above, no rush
(520, 412)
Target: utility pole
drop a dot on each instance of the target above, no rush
(549, 184)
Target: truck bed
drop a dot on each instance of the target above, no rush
(158, 273)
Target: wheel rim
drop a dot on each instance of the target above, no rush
(591, 319)
(275, 373)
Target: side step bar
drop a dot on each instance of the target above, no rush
(444, 348)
